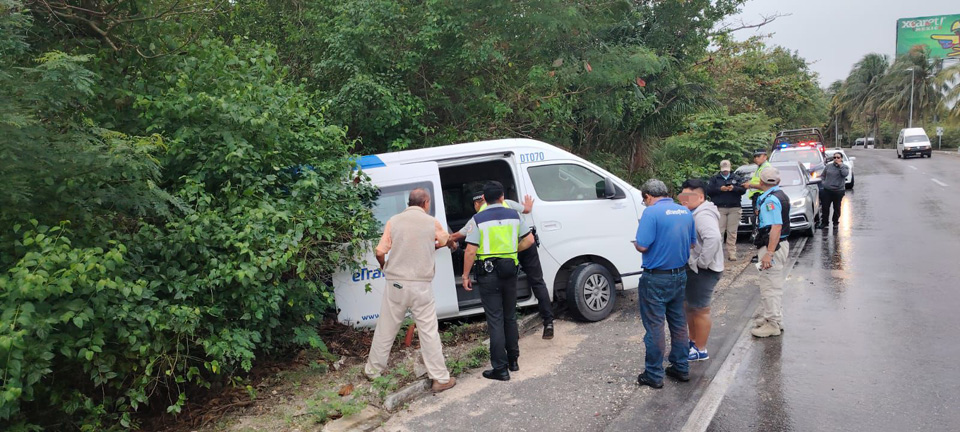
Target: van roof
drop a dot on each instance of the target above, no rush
(914, 131)
(456, 151)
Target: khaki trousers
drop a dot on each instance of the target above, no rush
(418, 298)
(771, 285)
(729, 222)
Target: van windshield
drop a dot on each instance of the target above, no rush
(914, 139)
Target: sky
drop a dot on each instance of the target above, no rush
(834, 34)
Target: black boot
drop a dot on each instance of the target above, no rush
(548, 331)
(497, 374)
(513, 365)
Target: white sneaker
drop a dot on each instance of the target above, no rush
(766, 330)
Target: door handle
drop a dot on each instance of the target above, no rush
(551, 226)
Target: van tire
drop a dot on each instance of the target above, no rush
(591, 292)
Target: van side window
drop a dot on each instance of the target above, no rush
(566, 182)
(393, 199)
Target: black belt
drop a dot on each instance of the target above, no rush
(670, 271)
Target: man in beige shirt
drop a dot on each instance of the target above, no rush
(411, 237)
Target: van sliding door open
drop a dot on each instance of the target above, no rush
(359, 290)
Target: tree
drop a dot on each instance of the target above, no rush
(862, 92)
(949, 78)
(751, 76)
(919, 66)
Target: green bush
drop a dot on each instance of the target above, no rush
(120, 311)
(711, 137)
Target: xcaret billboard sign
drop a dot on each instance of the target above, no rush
(939, 33)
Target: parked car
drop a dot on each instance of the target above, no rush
(847, 160)
(913, 141)
(804, 193)
(585, 218)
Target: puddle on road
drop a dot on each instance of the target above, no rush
(538, 357)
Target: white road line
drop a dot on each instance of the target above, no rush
(911, 166)
(939, 182)
(709, 403)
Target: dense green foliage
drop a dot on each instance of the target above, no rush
(752, 77)
(589, 76)
(165, 233)
(178, 184)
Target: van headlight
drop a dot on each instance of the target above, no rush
(799, 202)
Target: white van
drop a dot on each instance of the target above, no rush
(585, 218)
(913, 141)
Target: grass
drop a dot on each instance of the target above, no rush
(328, 405)
(473, 359)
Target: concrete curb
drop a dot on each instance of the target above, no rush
(364, 421)
(406, 394)
(417, 389)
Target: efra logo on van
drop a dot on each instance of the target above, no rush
(367, 274)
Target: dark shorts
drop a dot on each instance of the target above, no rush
(699, 289)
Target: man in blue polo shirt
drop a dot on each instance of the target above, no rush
(664, 237)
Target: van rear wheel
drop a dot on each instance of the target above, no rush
(591, 292)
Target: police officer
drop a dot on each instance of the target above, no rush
(529, 258)
(753, 186)
(500, 234)
(773, 227)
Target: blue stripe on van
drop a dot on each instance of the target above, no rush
(370, 161)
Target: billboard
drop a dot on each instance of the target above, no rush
(940, 33)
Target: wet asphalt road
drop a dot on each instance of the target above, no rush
(871, 313)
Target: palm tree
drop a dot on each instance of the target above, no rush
(950, 78)
(839, 117)
(860, 94)
(922, 68)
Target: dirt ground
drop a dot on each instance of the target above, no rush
(311, 387)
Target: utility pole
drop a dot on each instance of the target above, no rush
(912, 80)
(836, 130)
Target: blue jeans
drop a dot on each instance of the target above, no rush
(661, 296)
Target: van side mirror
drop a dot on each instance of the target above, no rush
(606, 189)
(853, 158)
